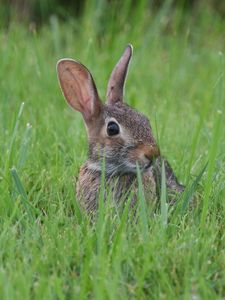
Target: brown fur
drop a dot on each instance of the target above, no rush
(89, 182)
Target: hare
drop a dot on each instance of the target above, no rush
(116, 133)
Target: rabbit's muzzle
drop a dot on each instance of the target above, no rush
(144, 154)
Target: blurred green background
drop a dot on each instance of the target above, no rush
(39, 11)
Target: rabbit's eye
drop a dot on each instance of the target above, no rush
(113, 128)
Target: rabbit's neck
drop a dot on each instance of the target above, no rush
(110, 171)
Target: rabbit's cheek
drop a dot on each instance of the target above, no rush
(136, 155)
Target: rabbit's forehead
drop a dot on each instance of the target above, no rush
(136, 123)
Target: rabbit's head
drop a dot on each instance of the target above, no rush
(116, 132)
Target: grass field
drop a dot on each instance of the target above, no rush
(48, 247)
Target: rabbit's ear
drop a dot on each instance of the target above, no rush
(78, 88)
(115, 88)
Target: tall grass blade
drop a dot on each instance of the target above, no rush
(101, 208)
(8, 161)
(142, 203)
(163, 197)
(195, 142)
(121, 227)
(21, 191)
(189, 194)
(24, 147)
(217, 133)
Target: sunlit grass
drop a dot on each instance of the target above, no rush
(49, 248)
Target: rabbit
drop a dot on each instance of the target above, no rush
(117, 134)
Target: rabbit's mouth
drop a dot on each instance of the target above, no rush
(148, 166)
(132, 168)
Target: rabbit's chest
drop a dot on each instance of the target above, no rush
(126, 185)
(119, 188)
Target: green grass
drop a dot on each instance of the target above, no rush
(49, 249)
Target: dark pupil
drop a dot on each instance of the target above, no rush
(112, 128)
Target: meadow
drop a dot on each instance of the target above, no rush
(49, 248)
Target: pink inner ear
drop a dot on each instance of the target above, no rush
(78, 87)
